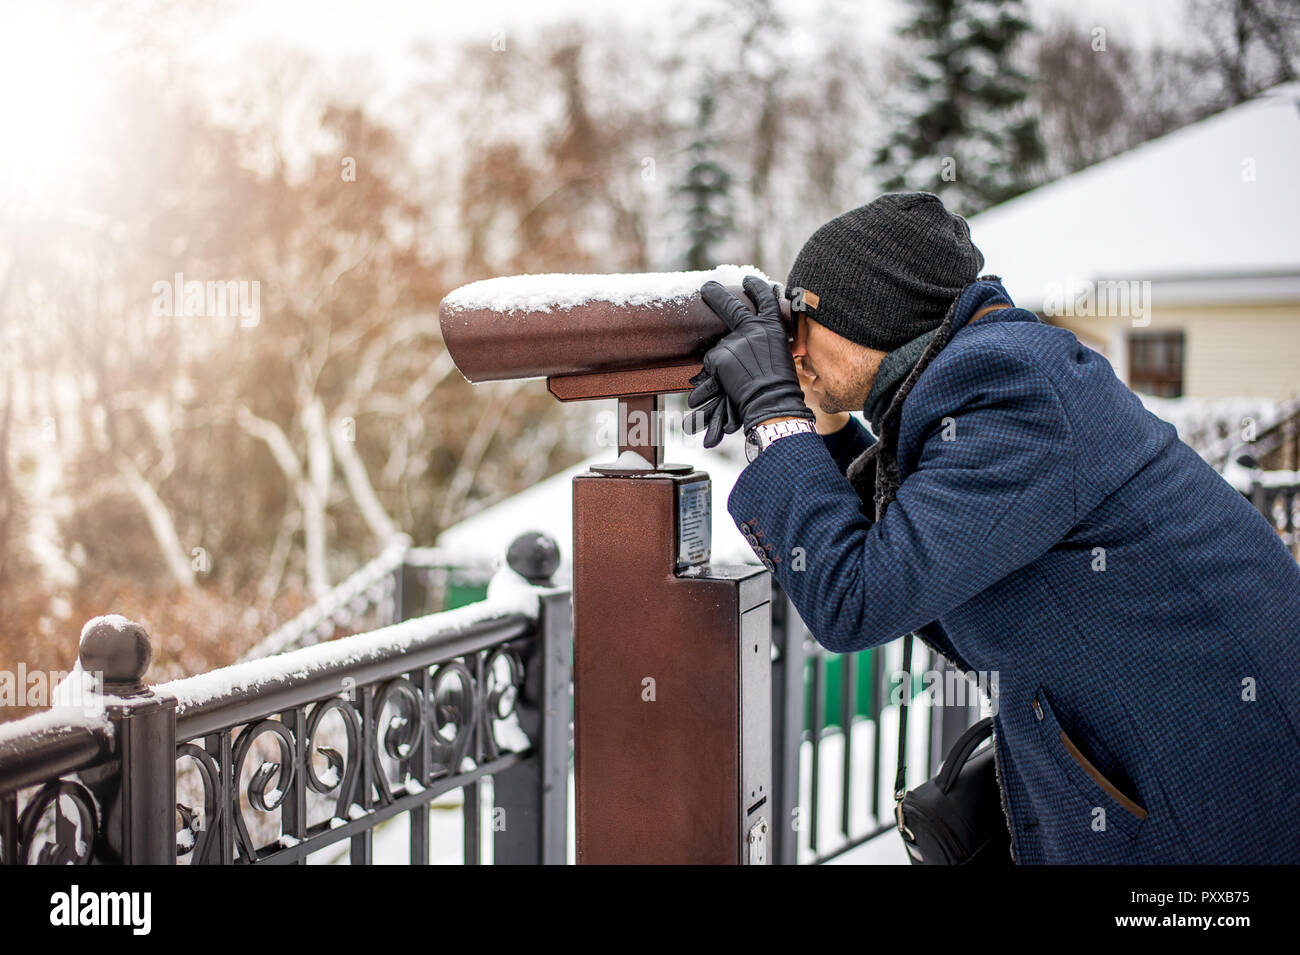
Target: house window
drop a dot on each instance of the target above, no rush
(1155, 364)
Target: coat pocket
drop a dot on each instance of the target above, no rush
(1121, 811)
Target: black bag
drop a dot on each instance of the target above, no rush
(956, 817)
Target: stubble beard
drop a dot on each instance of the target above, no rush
(834, 401)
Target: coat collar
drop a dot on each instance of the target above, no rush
(977, 301)
(985, 291)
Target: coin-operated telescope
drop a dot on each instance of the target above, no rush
(672, 654)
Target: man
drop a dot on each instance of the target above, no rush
(1024, 514)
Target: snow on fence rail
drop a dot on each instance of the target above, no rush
(314, 666)
(375, 587)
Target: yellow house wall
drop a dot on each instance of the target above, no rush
(1229, 350)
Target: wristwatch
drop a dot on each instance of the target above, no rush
(761, 435)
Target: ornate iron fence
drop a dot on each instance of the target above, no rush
(418, 708)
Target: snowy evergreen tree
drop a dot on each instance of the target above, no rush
(706, 191)
(959, 126)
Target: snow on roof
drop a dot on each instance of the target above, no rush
(1217, 198)
(541, 293)
(548, 507)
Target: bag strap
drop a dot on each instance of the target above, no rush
(900, 778)
(966, 744)
(961, 750)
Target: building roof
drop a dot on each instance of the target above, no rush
(1210, 211)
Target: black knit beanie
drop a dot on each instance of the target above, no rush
(884, 273)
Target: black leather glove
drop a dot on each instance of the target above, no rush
(749, 375)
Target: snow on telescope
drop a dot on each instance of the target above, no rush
(592, 336)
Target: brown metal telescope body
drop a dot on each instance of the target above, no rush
(596, 350)
(672, 654)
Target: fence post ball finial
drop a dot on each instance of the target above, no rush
(119, 649)
(534, 556)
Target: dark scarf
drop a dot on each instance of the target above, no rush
(893, 369)
(874, 473)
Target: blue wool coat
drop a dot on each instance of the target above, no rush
(1143, 619)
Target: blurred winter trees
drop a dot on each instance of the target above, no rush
(212, 473)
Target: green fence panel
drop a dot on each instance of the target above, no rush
(864, 692)
(460, 593)
(865, 696)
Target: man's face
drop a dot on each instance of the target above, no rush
(835, 372)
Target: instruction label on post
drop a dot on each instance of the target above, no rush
(694, 523)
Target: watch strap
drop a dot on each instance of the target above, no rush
(767, 433)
